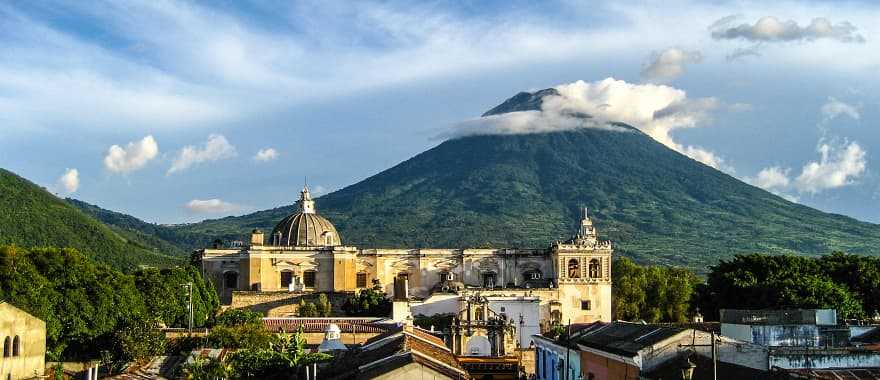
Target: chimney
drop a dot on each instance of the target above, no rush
(256, 238)
(401, 288)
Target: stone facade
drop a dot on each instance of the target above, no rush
(572, 278)
(23, 340)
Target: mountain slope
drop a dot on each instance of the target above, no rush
(527, 190)
(160, 237)
(31, 216)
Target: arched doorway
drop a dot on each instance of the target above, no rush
(230, 280)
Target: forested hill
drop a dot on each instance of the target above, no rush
(30, 216)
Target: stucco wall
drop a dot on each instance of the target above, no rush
(412, 371)
(32, 337)
(830, 358)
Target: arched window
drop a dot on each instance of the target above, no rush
(574, 269)
(16, 346)
(328, 238)
(489, 280)
(7, 347)
(595, 268)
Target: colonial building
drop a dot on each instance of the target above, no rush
(304, 253)
(23, 337)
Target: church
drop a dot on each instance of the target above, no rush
(304, 253)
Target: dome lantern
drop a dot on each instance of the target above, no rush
(305, 228)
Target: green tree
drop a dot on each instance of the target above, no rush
(323, 307)
(306, 309)
(238, 317)
(628, 289)
(370, 302)
(138, 341)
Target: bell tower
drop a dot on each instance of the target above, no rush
(583, 274)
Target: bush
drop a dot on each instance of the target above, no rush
(238, 317)
(248, 336)
(307, 309)
(368, 303)
(323, 307)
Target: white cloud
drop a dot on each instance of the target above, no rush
(267, 154)
(657, 110)
(216, 148)
(836, 168)
(771, 29)
(666, 65)
(834, 108)
(771, 178)
(69, 181)
(134, 156)
(319, 190)
(654, 109)
(211, 206)
(525, 122)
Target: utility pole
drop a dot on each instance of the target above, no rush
(714, 353)
(189, 293)
(567, 343)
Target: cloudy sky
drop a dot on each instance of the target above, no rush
(181, 111)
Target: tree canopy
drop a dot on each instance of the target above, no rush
(86, 306)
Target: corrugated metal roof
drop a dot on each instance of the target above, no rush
(625, 338)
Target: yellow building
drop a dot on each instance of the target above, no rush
(304, 253)
(24, 344)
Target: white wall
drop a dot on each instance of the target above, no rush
(514, 307)
(436, 304)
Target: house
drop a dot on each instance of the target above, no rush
(789, 328)
(550, 353)
(24, 344)
(634, 351)
(404, 353)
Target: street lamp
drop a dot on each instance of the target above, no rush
(687, 368)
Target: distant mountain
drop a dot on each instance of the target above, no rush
(657, 205)
(31, 216)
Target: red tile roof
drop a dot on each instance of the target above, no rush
(319, 325)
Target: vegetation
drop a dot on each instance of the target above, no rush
(371, 302)
(653, 294)
(89, 308)
(237, 317)
(32, 217)
(848, 283)
(277, 357)
(658, 206)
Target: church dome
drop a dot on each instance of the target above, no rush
(305, 228)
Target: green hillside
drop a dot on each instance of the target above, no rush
(657, 205)
(165, 239)
(30, 216)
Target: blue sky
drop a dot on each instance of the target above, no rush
(180, 111)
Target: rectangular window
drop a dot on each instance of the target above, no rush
(309, 279)
(585, 305)
(444, 276)
(361, 280)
